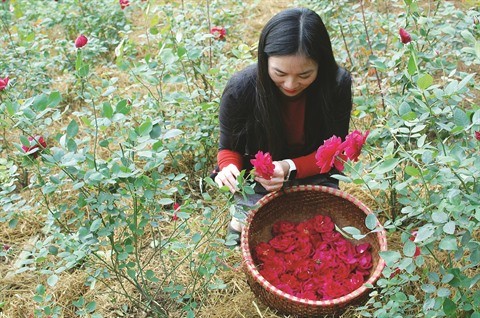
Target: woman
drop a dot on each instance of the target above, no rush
(287, 104)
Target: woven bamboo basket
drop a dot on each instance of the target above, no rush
(297, 204)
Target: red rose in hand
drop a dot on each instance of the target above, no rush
(353, 144)
(81, 41)
(3, 83)
(218, 33)
(330, 154)
(263, 165)
(404, 36)
(323, 224)
(36, 145)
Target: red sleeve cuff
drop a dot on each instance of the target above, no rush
(306, 166)
(226, 157)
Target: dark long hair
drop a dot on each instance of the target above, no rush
(290, 32)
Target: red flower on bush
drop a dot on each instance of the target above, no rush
(81, 41)
(404, 36)
(477, 135)
(263, 165)
(124, 3)
(353, 144)
(3, 83)
(311, 260)
(176, 207)
(36, 145)
(218, 33)
(330, 154)
(334, 152)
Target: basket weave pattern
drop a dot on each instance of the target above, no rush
(297, 204)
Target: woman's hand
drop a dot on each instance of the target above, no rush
(228, 177)
(276, 182)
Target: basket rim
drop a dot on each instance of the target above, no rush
(252, 269)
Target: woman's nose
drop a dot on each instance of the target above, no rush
(290, 83)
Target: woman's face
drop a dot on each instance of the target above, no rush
(292, 73)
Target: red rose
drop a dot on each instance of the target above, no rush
(353, 144)
(264, 251)
(3, 83)
(330, 154)
(124, 3)
(304, 269)
(282, 227)
(477, 133)
(365, 261)
(305, 228)
(263, 165)
(218, 33)
(81, 41)
(322, 224)
(270, 276)
(284, 243)
(354, 281)
(345, 251)
(291, 281)
(36, 145)
(275, 264)
(334, 289)
(331, 236)
(404, 36)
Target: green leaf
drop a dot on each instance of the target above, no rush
(144, 128)
(412, 66)
(425, 81)
(52, 280)
(386, 166)
(409, 248)
(95, 225)
(424, 232)
(448, 243)
(40, 102)
(91, 306)
(412, 171)
(460, 118)
(449, 307)
(371, 221)
(390, 257)
(54, 99)
(165, 201)
(156, 131)
(72, 129)
(107, 110)
(449, 227)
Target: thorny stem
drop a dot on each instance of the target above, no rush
(379, 82)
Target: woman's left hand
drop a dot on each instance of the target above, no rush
(275, 183)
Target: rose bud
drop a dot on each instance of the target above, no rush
(124, 3)
(81, 41)
(405, 36)
(477, 135)
(218, 33)
(35, 143)
(417, 249)
(3, 83)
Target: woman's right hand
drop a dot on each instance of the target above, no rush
(228, 177)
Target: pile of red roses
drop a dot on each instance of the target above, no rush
(311, 260)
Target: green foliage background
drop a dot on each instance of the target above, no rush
(131, 126)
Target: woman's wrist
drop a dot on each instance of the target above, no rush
(286, 168)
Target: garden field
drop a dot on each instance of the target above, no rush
(109, 134)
